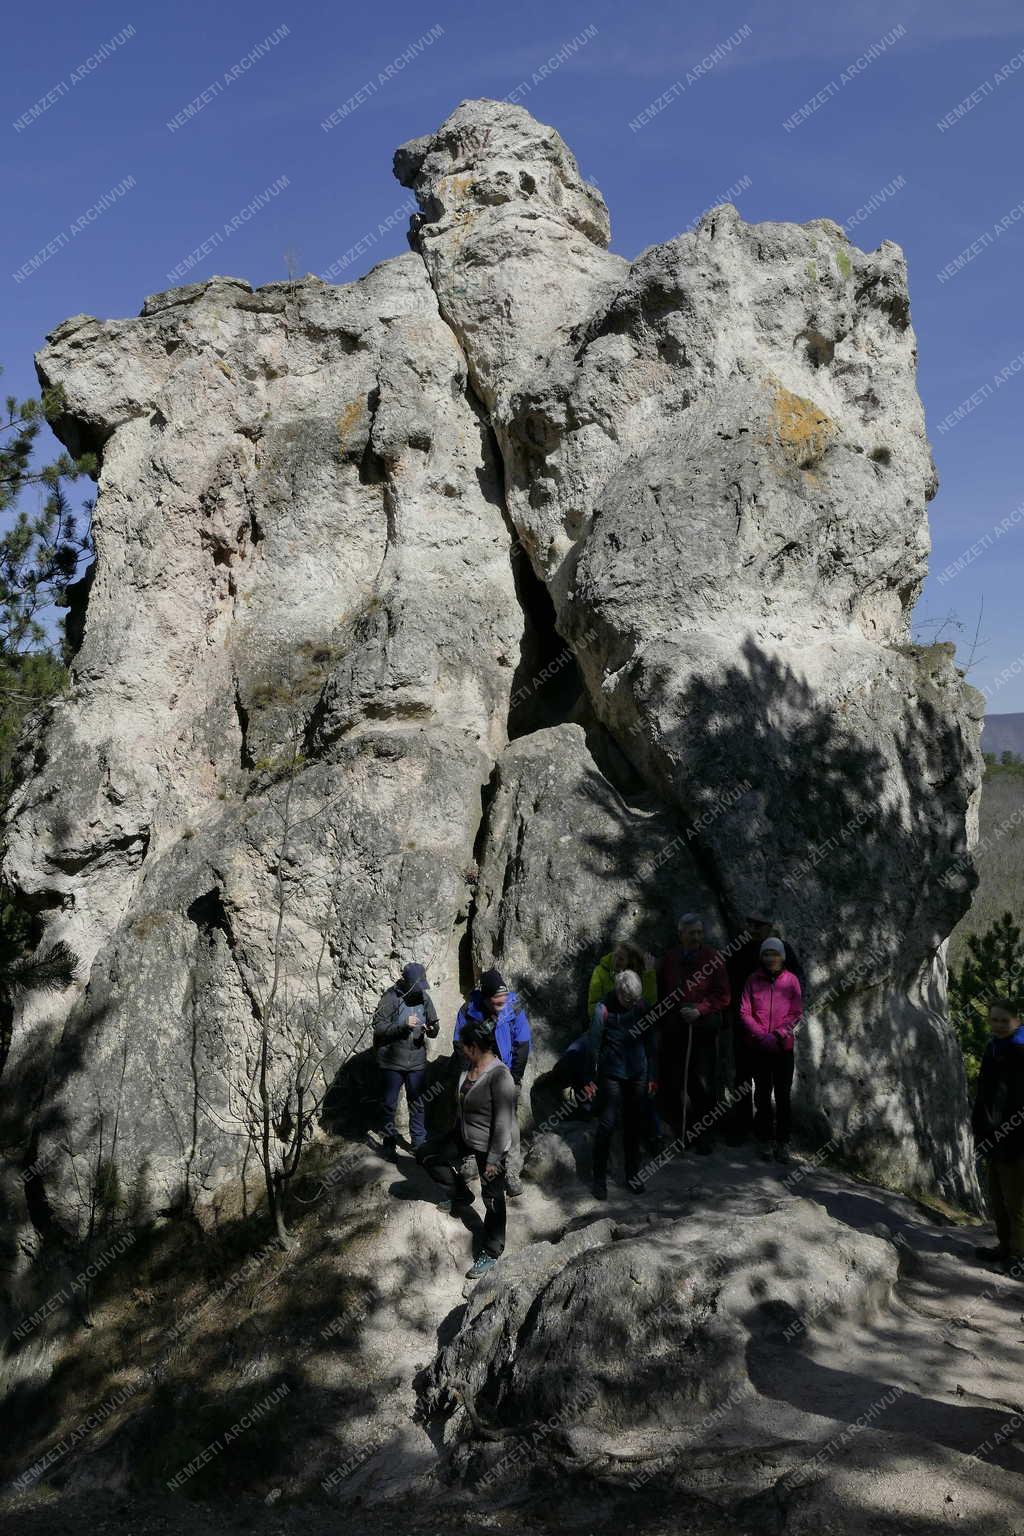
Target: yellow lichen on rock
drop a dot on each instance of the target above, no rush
(347, 420)
(803, 429)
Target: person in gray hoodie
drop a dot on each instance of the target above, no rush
(405, 1019)
(486, 1106)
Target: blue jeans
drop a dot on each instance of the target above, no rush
(414, 1082)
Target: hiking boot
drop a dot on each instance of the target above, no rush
(484, 1264)
(389, 1145)
(599, 1189)
(781, 1153)
(513, 1186)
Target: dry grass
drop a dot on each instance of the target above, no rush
(198, 1327)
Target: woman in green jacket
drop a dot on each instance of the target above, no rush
(624, 957)
(573, 1067)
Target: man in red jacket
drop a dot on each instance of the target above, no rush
(693, 991)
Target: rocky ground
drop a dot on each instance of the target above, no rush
(747, 1347)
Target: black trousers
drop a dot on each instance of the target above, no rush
(700, 1084)
(773, 1078)
(619, 1099)
(743, 1084)
(443, 1161)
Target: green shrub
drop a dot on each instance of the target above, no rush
(993, 967)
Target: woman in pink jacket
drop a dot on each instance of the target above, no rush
(770, 1009)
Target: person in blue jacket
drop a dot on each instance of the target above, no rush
(496, 1005)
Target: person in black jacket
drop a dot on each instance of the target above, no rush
(998, 1124)
(405, 1019)
(622, 1054)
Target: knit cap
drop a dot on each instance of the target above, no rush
(491, 983)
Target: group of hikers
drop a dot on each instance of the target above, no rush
(653, 1063)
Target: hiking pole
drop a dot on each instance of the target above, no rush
(686, 1080)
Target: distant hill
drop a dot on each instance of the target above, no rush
(1003, 733)
(999, 855)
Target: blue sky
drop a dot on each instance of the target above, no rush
(103, 97)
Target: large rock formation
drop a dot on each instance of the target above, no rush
(349, 540)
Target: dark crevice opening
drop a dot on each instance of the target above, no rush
(245, 757)
(547, 687)
(467, 974)
(372, 468)
(77, 594)
(615, 764)
(208, 914)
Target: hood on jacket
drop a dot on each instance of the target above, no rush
(412, 982)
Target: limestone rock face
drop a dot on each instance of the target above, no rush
(722, 476)
(513, 238)
(346, 539)
(302, 584)
(558, 824)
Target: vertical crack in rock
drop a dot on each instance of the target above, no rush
(246, 761)
(548, 688)
(467, 960)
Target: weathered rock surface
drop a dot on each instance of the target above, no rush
(302, 580)
(648, 1333)
(557, 824)
(737, 1350)
(744, 1348)
(721, 474)
(316, 508)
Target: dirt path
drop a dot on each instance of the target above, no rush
(952, 1342)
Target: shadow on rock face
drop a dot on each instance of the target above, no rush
(852, 805)
(785, 1373)
(830, 785)
(353, 1105)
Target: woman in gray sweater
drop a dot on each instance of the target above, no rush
(483, 1131)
